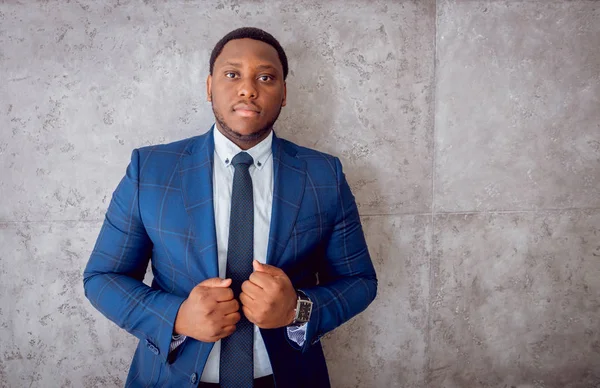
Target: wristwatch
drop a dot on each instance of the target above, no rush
(303, 309)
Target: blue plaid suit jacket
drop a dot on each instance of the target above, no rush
(162, 211)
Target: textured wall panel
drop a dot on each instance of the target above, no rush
(386, 345)
(517, 105)
(50, 336)
(85, 82)
(516, 300)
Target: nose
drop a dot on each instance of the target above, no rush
(247, 89)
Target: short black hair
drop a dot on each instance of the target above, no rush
(250, 33)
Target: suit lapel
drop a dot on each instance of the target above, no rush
(288, 189)
(196, 171)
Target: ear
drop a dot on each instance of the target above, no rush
(284, 94)
(209, 88)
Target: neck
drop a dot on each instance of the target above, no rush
(244, 142)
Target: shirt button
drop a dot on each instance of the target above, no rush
(194, 378)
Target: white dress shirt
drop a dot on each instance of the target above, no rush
(261, 172)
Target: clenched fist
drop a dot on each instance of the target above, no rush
(210, 312)
(268, 297)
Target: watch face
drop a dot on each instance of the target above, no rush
(304, 311)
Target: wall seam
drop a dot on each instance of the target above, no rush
(400, 214)
(427, 365)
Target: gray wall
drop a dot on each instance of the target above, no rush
(469, 131)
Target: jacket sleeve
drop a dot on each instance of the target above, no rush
(347, 279)
(115, 271)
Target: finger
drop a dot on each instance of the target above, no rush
(246, 300)
(221, 294)
(226, 331)
(231, 319)
(228, 307)
(251, 290)
(266, 268)
(261, 279)
(248, 314)
(215, 282)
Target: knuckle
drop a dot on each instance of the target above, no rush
(208, 305)
(200, 294)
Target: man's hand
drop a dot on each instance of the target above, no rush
(268, 297)
(210, 312)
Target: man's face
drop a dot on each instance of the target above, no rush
(247, 89)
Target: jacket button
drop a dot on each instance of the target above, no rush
(194, 378)
(152, 347)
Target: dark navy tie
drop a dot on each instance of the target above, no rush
(237, 359)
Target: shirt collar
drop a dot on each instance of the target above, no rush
(226, 149)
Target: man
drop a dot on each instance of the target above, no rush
(256, 244)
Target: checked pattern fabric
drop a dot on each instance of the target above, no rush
(163, 210)
(237, 359)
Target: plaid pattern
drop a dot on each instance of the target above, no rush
(163, 210)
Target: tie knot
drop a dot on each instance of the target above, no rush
(243, 158)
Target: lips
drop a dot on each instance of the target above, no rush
(246, 110)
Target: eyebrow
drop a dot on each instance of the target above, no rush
(266, 67)
(259, 67)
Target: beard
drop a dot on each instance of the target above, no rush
(233, 134)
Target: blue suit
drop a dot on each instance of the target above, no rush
(163, 210)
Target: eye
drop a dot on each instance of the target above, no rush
(265, 78)
(230, 75)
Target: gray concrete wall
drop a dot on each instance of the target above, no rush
(469, 131)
